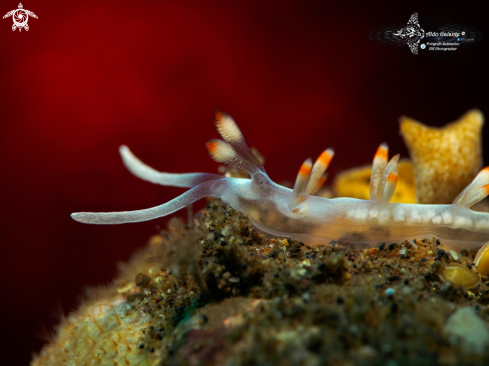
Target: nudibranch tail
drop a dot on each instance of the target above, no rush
(209, 188)
(379, 164)
(145, 172)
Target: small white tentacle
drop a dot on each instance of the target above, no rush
(210, 188)
(145, 172)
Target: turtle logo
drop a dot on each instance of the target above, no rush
(412, 33)
(20, 17)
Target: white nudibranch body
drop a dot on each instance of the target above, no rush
(297, 213)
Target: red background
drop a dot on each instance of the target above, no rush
(89, 76)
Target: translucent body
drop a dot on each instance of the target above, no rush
(298, 213)
(358, 222)
(361, 223)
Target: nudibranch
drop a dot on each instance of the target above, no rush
(445, 159)
(296, 212)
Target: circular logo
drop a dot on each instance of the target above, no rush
(20, 18)
(423, 46)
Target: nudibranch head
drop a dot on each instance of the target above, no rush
(460, 275)
(481, 260)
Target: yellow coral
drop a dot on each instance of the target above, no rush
(445, 159)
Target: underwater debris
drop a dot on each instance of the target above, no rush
(481, 260)
(465, 327)
(445, 159)
(459, 275)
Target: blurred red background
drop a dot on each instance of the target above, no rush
(298, 77)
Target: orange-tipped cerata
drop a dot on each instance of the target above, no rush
(325, 157)
(212, 147)
(305, 168)
(219, 115)
(382, 152)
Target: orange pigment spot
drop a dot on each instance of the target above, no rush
(305, 169)
(219, 116)
(212, 147)
(325, 158)
(381, 153)
(392, 177)
(321, 181)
